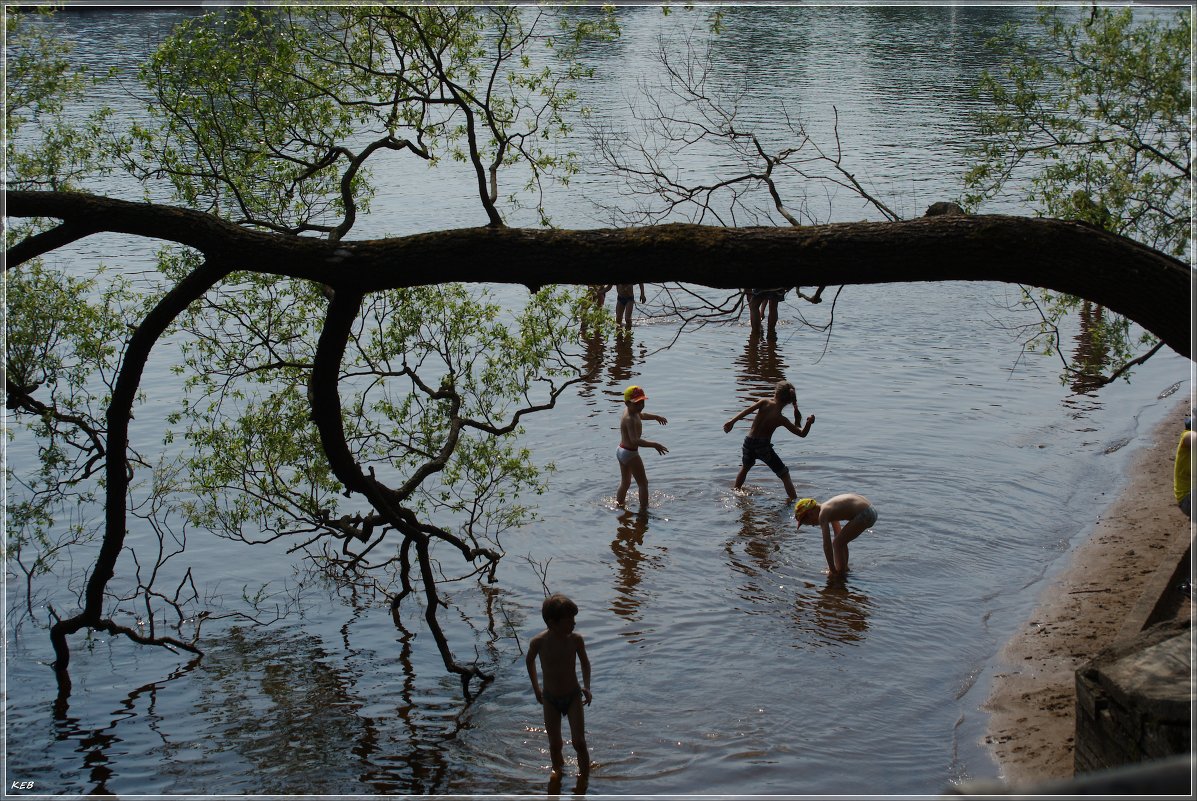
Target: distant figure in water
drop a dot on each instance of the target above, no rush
(560, 649)
(762, 299)
(1182, 473)
(625, 300)
(598, 296)
(631, 426)
(851, 509)
(758, 444)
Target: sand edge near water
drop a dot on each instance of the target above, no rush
(1032, 720)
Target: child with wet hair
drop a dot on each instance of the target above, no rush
(758, 444)
(560, 649)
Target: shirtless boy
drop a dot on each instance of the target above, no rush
(855, 511)
(559, 649)
(630, 441)
(625, 300)
(762, 298)
(758, 444)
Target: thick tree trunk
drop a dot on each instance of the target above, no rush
(1145, 285)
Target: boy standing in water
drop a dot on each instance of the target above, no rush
(624, 301)
(630, 441)
(762, 298)
(559, 648)
(758, 444)
(854, 510)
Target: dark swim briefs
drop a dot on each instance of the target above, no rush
(562, 703)
(778, 294)
(757, 448)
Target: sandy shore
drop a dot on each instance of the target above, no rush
(1032, 719)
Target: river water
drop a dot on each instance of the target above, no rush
(724, 661)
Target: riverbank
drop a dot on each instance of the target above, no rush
(1032, 704)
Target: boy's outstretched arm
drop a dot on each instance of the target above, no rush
(648, 443)
(657, 417)
(728, 425)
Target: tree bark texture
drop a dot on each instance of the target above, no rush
(1143, 284)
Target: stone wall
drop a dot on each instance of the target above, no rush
(1134, 700)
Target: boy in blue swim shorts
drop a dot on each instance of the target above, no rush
(624, 301)
(758, 444)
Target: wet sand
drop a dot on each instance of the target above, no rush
(1032, 722)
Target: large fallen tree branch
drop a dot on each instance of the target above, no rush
(1147, 286)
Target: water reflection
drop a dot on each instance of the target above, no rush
(290, 690)
(626, 355)
(592, 364)
(431, 769)
(580, 786)
(760, 539)
(330, 723)
(834, 613)
(1091, 356)
(99, 747)
(382, 729)
(759, 367)
(631, 560)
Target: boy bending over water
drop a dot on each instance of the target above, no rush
(758, 444)
(559, 648)
(850, 508)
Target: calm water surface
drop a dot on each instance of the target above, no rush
(723, 660)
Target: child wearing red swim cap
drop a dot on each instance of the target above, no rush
(630, 441)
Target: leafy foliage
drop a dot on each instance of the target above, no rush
(45, 147)
(274, 119)
(1101, 126)
(276, 129)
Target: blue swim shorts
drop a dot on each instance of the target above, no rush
(757, 448)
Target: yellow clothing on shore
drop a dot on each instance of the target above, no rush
(1182, 475)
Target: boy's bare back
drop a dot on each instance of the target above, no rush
(843, 507)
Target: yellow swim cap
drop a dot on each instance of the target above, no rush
(802, 506)
(634, 393)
